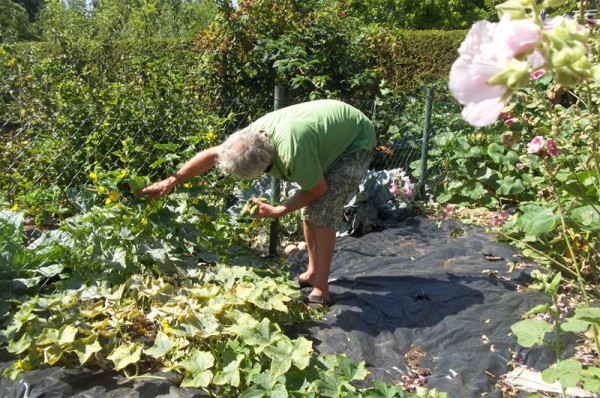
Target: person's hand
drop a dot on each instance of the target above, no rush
(257, 208)
(158, 189)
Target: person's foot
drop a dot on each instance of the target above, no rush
(305, 279)
(318, 302)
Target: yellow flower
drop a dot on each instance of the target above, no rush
(210, 136)
(11, 62)
(100, 189)
(23, 365)
(195, 201)
(187, 185)
(123, 174)
(14, 208)
(113, 196)
(93, 176)
(165, 325)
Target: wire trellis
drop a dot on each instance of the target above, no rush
(50, 161)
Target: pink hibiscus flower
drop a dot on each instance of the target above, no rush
(486, 52)
(551, 147)
(536, 145)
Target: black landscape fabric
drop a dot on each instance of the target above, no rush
(424, 296)
(429, 297)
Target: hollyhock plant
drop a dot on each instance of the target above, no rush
(487, 70)
(537, 74)
(541, 146)
(551, 147)
(536, 145)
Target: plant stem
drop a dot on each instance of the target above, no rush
(558, 264)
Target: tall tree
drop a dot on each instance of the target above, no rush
(14, 23)
(33, 7)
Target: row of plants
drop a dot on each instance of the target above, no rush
(165, 287)
(536, 167)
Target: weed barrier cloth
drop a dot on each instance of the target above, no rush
(412, 298)
(429, 298)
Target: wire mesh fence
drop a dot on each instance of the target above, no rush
(58, 163)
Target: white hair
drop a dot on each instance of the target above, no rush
(245, 154)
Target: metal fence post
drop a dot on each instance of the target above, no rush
(278, 103)
(425, 145)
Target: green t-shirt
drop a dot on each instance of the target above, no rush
(308, 138)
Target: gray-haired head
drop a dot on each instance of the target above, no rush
(245, 154)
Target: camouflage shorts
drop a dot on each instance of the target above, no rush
(343, 180)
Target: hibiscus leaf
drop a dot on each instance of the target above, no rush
(566, 372)
(537, 220)
(530, 332)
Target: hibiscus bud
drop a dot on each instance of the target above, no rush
(514, 8)
(565, 76)
(520, 76)
(582, 66)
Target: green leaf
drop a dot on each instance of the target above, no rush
(52, 354)
(496, 152)
(162, 345)
(510, 185)
(167, 147)
(383, 390)
(587, 217)
(85, 348)
(261, 337)
(574, 325)
(197, 367)
(351, 370)
(48, 337)
(530, 332)
(230, 373)
(126, 354)
(566, 372)
(537, 220)
(17, 347)
(67, 334)
(588, 314)
(332, 384)
(281, 358)
(591, 379)
(537, 309)
(301, 352)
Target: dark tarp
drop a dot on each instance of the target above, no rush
(442, 289)
(414, 287)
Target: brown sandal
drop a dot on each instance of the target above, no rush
(319, 302)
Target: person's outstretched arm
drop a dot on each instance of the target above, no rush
(303, 197)
(200, 163)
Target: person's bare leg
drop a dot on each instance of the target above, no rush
(320, 243)
(308, 275)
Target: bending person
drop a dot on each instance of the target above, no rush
(324, 146)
